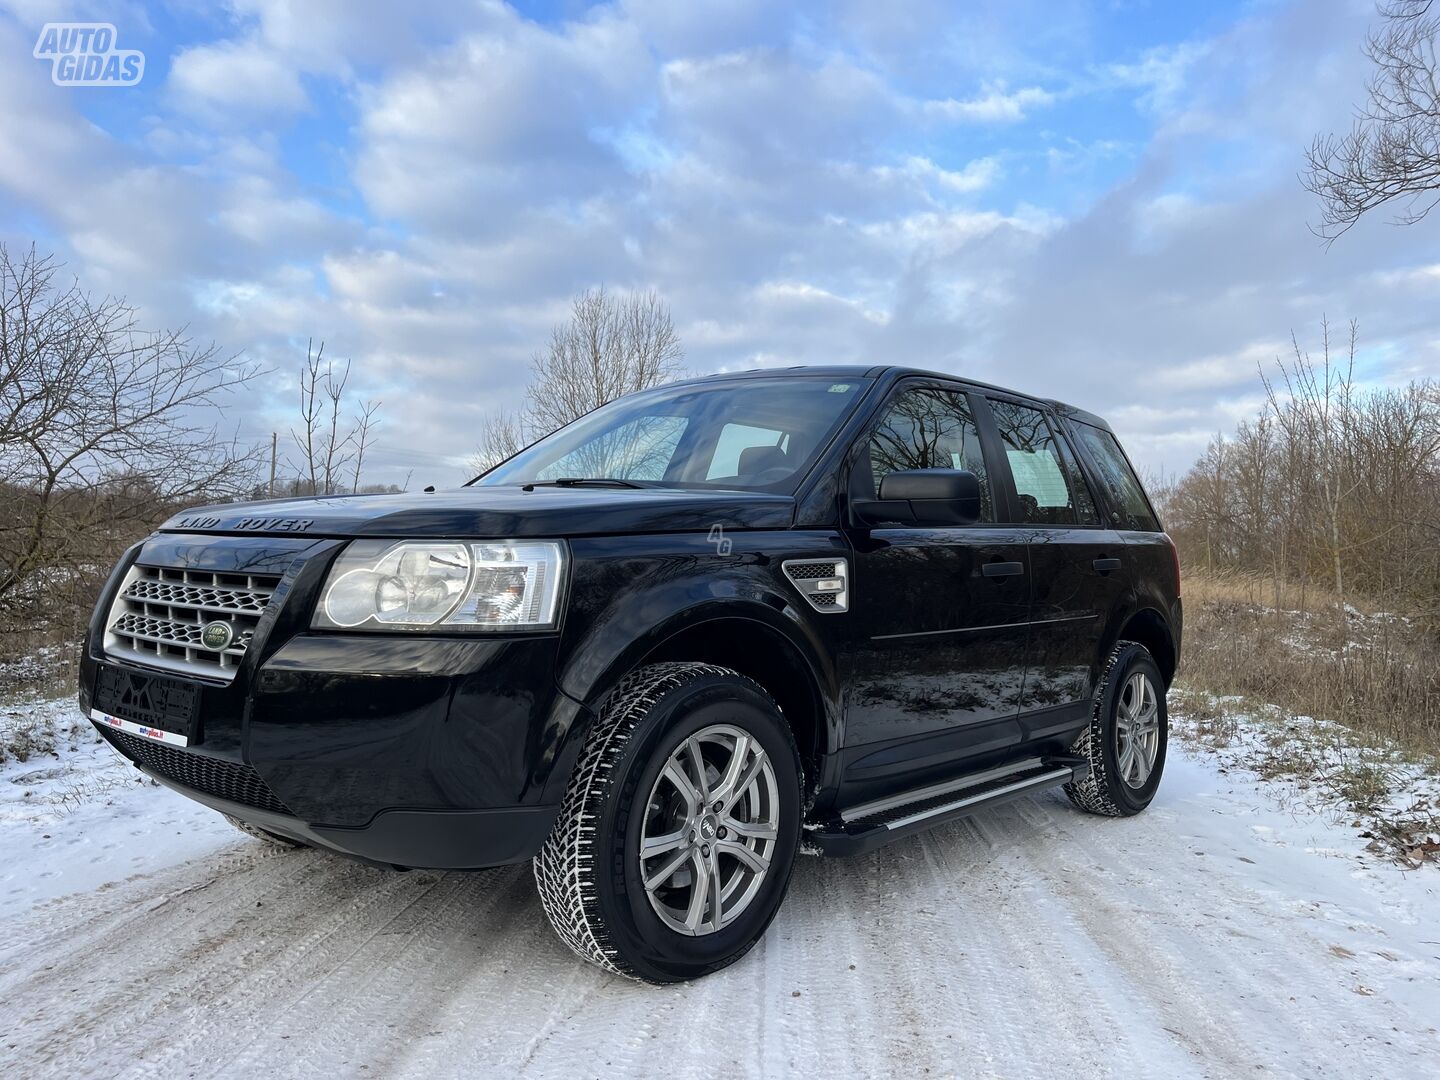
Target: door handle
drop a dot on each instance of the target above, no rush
(1104, 566)
(1002, 569)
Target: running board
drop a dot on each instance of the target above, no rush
(865, 827)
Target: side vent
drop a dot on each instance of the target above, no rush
(823, 582)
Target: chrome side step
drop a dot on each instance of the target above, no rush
(868, 825)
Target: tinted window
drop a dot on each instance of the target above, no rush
(929, 429)
(1043, 481)
(759, 434)
(1079, 488)
(1119, 479)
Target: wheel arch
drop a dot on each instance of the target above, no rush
(760, 652)
(1151, 629)
(775, 647)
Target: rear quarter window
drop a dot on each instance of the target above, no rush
(1118, 479)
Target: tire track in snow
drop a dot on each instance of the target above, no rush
(1028, 941)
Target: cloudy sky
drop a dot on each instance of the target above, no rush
(1095, 201)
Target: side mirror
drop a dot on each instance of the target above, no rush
(925, 497)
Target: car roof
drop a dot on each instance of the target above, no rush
(893, 372)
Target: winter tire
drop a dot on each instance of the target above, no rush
(1126, 741)
(676, 839)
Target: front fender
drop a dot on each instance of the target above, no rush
(630, 595)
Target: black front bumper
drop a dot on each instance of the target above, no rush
(405, 839)
(434, 752)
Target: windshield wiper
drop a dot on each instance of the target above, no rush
(583, 481)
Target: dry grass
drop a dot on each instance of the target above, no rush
(1375, 672)
(40, 661)
(1341, 701)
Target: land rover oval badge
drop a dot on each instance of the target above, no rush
(215, 636)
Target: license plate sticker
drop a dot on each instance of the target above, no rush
(143, 730)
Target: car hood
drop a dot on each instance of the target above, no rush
(495, 512)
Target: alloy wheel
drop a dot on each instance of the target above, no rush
(1137, 729)
(711, 823)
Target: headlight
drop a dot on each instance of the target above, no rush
(443, 586)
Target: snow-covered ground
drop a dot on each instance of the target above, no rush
(1224, 933)
(88, 819)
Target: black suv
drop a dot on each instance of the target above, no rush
(665, 648)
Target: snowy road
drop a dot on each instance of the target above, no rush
(1213, 936)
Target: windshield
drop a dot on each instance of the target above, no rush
(753, 434)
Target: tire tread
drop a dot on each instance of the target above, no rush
(566, 867)
(1092, 794)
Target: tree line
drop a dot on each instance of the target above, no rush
(1335, 485)
(107, 428)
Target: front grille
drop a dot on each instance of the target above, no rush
(160, 612)
(230, 780)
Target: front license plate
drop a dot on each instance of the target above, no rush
(159, 734)
(150, 706)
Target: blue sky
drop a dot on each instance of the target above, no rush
(1094, 201)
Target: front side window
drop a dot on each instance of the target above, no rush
(928, 429)
(1047, 496)
(748, 434)
(1119, 479)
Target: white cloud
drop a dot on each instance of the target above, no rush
(975, 176)
(995, 105)
(809, 187)
(1160, 73)
(235, 81)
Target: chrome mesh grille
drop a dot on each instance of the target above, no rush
(804, 571)
(825, 583)
(160, 611)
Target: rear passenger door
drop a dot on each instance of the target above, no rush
(1078, 575)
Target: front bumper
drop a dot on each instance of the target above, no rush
(405, 839)
(411, 751)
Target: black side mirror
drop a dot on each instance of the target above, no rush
(924, 497)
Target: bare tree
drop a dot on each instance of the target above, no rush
(104, 429)
(1316, 414)
(365, 422)
(501, 436)
(1392, 151)
(610, 346)
(1335, 485)
(328, 443)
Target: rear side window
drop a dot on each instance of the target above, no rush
(1119, 479)
(929, 429)
(1049, 489)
